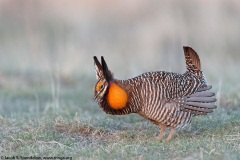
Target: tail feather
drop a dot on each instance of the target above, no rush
(198, 109)
(201, 102)
(205, 88)
(202, 94)
(201, 99)
(207, 105)
(196, 113)
(192, 60)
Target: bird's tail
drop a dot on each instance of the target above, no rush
(201, 102)
(193, 63)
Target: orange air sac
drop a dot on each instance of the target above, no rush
(117, 97)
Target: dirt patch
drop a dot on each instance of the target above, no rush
(4, 122)
(88, 131)
(76, 129)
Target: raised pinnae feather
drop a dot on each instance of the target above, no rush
(104, 64)
(107, 73)
(97, 62)
(98, 68)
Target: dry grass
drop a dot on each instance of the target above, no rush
(47, 76)
(78, 128)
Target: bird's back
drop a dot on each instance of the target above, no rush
(171, 99)
(158, 95)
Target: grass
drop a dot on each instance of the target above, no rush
(34, 124)
(46, 104)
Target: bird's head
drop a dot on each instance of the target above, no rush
(107, 89)
(104, 77)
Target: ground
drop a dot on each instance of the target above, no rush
(47, 76)
(61, 119)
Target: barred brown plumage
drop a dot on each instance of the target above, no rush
(165, 98)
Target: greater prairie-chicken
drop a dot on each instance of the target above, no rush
(167, 99)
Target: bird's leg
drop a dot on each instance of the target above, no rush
(170, 136)
(163, 128)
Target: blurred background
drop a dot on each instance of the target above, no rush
(50, 44)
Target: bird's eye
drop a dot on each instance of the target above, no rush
(99, 86)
